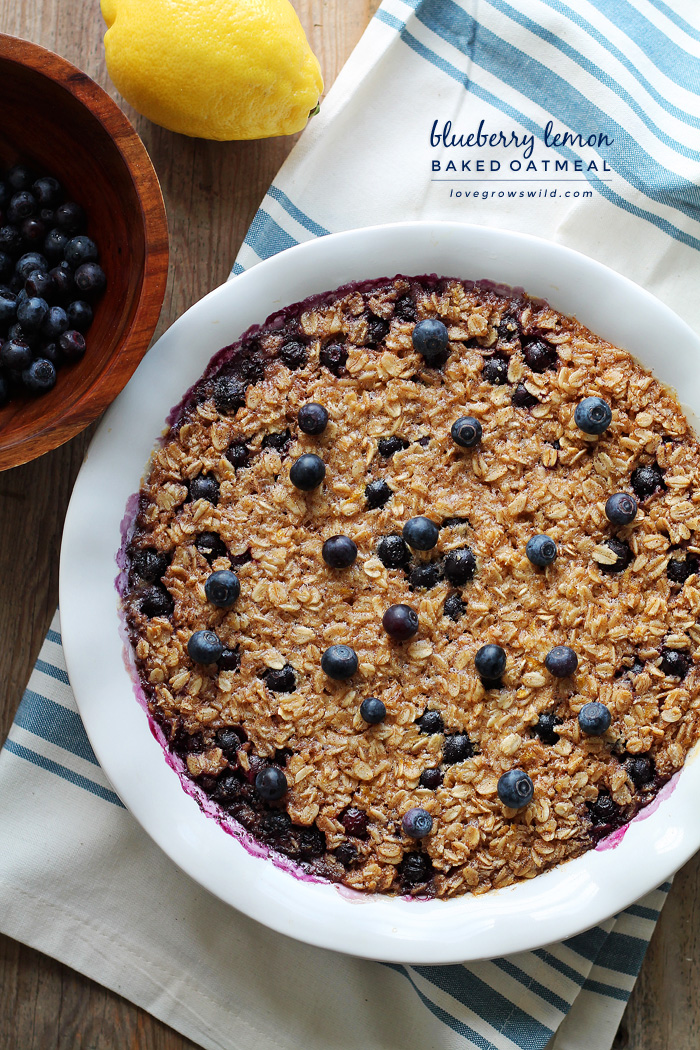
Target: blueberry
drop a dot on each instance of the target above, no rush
(389, 446)
(4, 391)
(621, 508)
(646, 481)
(33, 231)
(334, 357)
(47, 216)
(211, 546)
(466, 432)
(515, 789)
(222, 588)
(377, 494)
(414, 870)
(545, 728)
(522, 398)
(355, 822)
(10, 240)
(148, 563)
(594, 718)
(204, 647)
(64, 285)
(294, 355)
(431, 779)
(460, 566)
(55, 322)
(23, 335)
(6, 267)
(339, 552)
(47, 191)
(430, 722)
(79, 315)
(39, 285)
(430, 338)
(70, 217)
(79, 250)
(230, 660)
(400, 622)
(312, 418)
(373, 710)
(604, 810)
(679, 571)
(204, 486)
(339, 662)
(21, 206)
(417, 823)
(15, 355)
(593, 415)
(28, 262)
(458, 747)
(271, 783)
(156, 601)
(393, 552)
(346, 854)
(229, 394)
(540, 356)
(541, 550)
(674, 663)
(72, 345)
(490, 662)
(421, 533)
(425, 576)
(39, 377)
(405, 309)
(307, 472)
(280, 679)
(238, 455)
(90, 279)
(508, 328)
(20, 177)
(55, 243)
(641, 769)
(622, 552)
(8, 307)
(279, 441)
(561, 661)
(454, 607)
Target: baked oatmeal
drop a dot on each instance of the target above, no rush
(412, 587)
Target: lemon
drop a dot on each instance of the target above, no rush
(214, 69)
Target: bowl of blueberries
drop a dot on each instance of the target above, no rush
(83, 251)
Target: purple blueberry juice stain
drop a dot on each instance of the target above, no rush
(615, 837)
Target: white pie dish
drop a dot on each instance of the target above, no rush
(552, 906)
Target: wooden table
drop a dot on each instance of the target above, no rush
(211, 193)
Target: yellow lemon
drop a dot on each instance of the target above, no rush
(214, 69)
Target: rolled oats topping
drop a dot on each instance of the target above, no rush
(412, 587)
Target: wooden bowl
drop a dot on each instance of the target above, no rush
(59, 121)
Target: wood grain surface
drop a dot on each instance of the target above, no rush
(211, 192)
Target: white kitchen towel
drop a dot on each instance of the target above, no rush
(445, 110)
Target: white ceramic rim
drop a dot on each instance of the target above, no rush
(553, 906)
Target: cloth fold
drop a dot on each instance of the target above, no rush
(78, 878)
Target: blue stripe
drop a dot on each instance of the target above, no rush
(665, 886)
(301, 217)
(623, 953)
(607, 990)
(601, 187)
(505, 1015)
(557, 964)
(65, 774)
(53, 636)
(674, 61)
(533, 985)
(643, 913)
(54, 672)
(676, 19)
(55, 723)
(600, 74)
(266, 237)
(588, 945)
(237, 268)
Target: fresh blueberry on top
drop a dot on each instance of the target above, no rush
(373, 710)
(377, 494)
(490, 662)
(20, 177)
(674, 663)
(8, 307)
(279, 441)
(271, 783)
(55, 244)
(430, 722)
(204, 647)
(149, 564)
(430, 338)
(312, 418)
(545, 728)
(561, 661)
(460, 566)
(39, 285)
(417, 823)
(15, 355)
(334, 357)
(515, 789)
(393, 552)
(48, 191)
(230, 660)
(522, 398)
(339, 552)
(33, 231)
(541, 550)
(355, 822)
(593, 415)
(280, 679)
(79, 315)
(641, 769)
(594, 718)
(79, 250)
(204, 486)
(400, 622)
(294, 355)
(424, 577)
(339, 662)
(222, 588)
(55, 322)
(431, 779)
(211, 546)
(454, 607)
(90, 278)
(540, 356)
(31, 313)
(646, 480)
(623, 553)
(415, 869)
(421, 533)
(389, 445)
(457, 748)
(64, 284)
(39, 377)
(70, 217)
(21, 206)
(679, 571)
(466, 431)
(229, 394)
(307, 472)
(72, 345)
(10, 240)
(621, 508)
(495, 370)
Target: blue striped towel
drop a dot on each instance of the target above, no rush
(78, 878)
